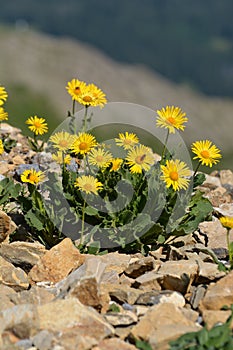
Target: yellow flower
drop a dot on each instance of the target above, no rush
(227, 222)
(116, 164)
(171, 118)
(127, 140)
(62, 140)
(91, 95)
(37, 125)
(3, 114)
(88, 184)
(207, 153)
(174, 173)
(139, 158)
(60, 157)
(1, 147)
(32, 176)
(3, 95)
(100, 158)
(83, 143)
(75, 88)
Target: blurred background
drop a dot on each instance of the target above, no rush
(151, 52)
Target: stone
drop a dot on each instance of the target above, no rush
(140, 266)
(35, 295)
(57, 263)
(70, 313)
(226, 209)
(6, 294)
(124, 318)
(197, 295)
(70, 340)
(123, 293)
(162, 323)
(226, 177)
(22, 254)
(7, 226)
(113, 344)
(213, 317)
(13, 277)
(178, 275)
(148, 281)
(216, 234)
(208, 272)
(43, 340)
(218, 294)
(116, 262)
(211, 180)
(123, 279)
(218, 196)
(157, 297)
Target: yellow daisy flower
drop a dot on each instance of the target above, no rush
(139, 158)
(227, 222)
(88, 184)
(1, 147)
(32, 176)
(116, 164)
(91, 95)
(127, 140)
(75, 88)
(60, 157)
(62, 140)
(37, 125)
(174, 173)
(83, 143)
(207, 153)
(3, 95)
(100, 158)
(3, 114)
(171, 118)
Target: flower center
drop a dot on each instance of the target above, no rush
(63, 143)
(88, 187)
(33, 178)
(77, 90)
(127, 141)
(171, 120)
(174, 175)
(99, 158)
(83, 146)
(87, 99)
(205, 154)
(140, 159)
(37, 124)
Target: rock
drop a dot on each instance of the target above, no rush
(126, 280)
(43, 340)
(212, 318)
(226, 177)
(211, 181)
(123, 293)
(158, 297)
(149, 280)
(57, 263)
(70, 313)
(35, 296)
(140, 266)
(124, 318)
(219, 294)
(23, 254)
(13, 277)
(6, 294)
(7, 226)
(70, 340)
(178, 275)
(218, 196)
(216, 234)
(197, 295)
(208, 272)
(226, 209)
(116, 262)
(162, 323)
(113, 344)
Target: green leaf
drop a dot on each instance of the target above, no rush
(34, 221)
(142, 345)
(91, 211)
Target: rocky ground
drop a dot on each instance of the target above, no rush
(60, 299)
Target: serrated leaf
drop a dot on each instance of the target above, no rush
(34, 221)
(91, 211)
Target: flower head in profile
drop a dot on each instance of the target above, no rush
(62, 140)
(116, 164)
(91, 95)
(127, 140)
(88, 184)
(171, 118)
(37, 125)
(1, 147)
(83, 143)
(61, 158)
(207, 153)
(3, 95)
(227, 222)
(175, 173)
(32, 176)
(3, 114)
(139, 158)
(100, 157)
(75, 88)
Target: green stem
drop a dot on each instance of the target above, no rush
(85, 119)
(198, 166)
(83, 221)
(165, 145)
(73, 108)
(229, 248)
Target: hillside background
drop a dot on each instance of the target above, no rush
(147, 52)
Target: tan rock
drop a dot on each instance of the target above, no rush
(13, 277)
(35, 295)
(218, 196)
(140, 266)
(208, 272)
(216, 233)
(57, 263)
(124, 318)
(155, 297)
(113, 344)
(148, 281)
(126, 280)
(162, 323)
(219, 294)
(116, 262)
(226, 177)
(7, 226)
(178, 275)
(123, 293)
(6, 294)
(213, 317)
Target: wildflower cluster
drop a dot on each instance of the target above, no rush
(109, 198)
(3, 113)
